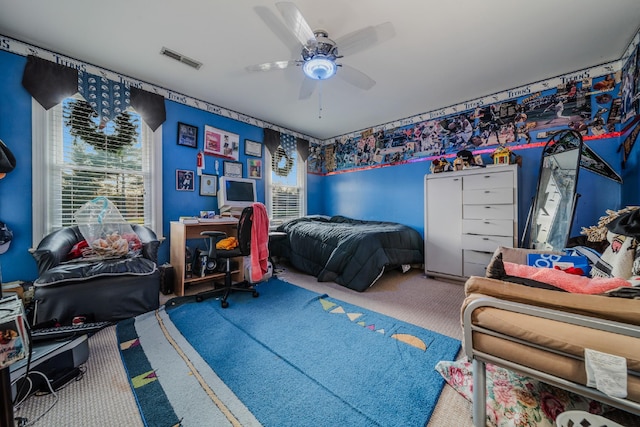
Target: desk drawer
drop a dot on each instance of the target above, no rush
(485, 243)
(488, 196)
(488, 181)
(492, 227)
(487, 212)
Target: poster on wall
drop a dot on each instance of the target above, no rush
(221, 143)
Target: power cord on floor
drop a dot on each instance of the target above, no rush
(23, 422)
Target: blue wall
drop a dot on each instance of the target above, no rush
(15, 188)
(393, 193)
(396, 193)
(174, 156)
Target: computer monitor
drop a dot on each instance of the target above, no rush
(235, 194)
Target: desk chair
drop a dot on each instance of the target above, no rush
(243, 249)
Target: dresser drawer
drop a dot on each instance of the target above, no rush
(473, 269)
(487, 212)
(485, 243)
(475, 262)
(492, 227)
(488, 196)
(477, 257)
(487, 181)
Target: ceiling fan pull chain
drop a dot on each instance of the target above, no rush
(319, 99)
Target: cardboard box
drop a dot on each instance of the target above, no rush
(562, 261)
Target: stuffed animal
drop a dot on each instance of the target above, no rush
(440, 165)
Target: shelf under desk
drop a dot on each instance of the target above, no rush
(180, 233)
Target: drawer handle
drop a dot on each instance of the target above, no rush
(487, 191)
(485, 238)
(487, 207)
(487, 222)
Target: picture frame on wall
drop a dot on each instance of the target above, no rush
(218, 142)
(187, 135)
(252, 148)
(254, 168)
(184, 180)
(232, 169)
(208, 185)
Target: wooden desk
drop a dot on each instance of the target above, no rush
(180, 233)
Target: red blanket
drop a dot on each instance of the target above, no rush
(259, 242)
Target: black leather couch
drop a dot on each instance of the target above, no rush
(100, 290)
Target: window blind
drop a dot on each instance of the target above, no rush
(89, 158)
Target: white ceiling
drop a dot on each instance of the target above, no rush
(443, 53)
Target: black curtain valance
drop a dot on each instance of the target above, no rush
(302, 145)
(150, 106)
(271, 139)
(50, 83)
(47, 82)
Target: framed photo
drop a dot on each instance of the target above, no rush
(252, 148)
(221, 143)
(184, 180)
(187, 135)
(208, 185)
(232, 169)
(254, 168)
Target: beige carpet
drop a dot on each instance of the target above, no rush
(103, 397)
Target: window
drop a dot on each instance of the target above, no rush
(286, 183)
(77, 158)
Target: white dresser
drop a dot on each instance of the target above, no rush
(468, 214)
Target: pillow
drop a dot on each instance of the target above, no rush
(618, 259)
(562, 280)
(496, 271)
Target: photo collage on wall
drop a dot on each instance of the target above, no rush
(593, 106)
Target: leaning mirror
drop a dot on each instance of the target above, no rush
(555, 200)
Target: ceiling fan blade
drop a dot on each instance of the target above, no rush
(268, 66)
(296, 23)
(277, 27)
(307, 88)
(355, 77)
(364, 38)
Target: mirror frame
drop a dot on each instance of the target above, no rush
(562, 213)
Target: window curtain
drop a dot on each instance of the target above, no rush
(271, 140)
(49, 83)
(303, 148)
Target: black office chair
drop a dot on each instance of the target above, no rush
(243, 249)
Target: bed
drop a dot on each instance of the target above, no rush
(543, 333)
(350, 252)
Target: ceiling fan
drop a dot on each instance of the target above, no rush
(320, 53)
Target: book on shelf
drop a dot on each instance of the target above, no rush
(189, 220)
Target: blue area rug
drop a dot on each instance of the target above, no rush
(291, 357)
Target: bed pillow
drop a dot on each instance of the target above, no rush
(496, 271)
(618, 259)
(562, 280)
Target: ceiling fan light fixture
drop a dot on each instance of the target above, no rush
(320, 67)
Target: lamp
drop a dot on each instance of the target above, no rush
(319, 67)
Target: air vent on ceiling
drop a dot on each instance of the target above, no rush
(178, 57)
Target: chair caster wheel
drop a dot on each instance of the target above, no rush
(224, 304)
(199, 298)
(255, 294)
